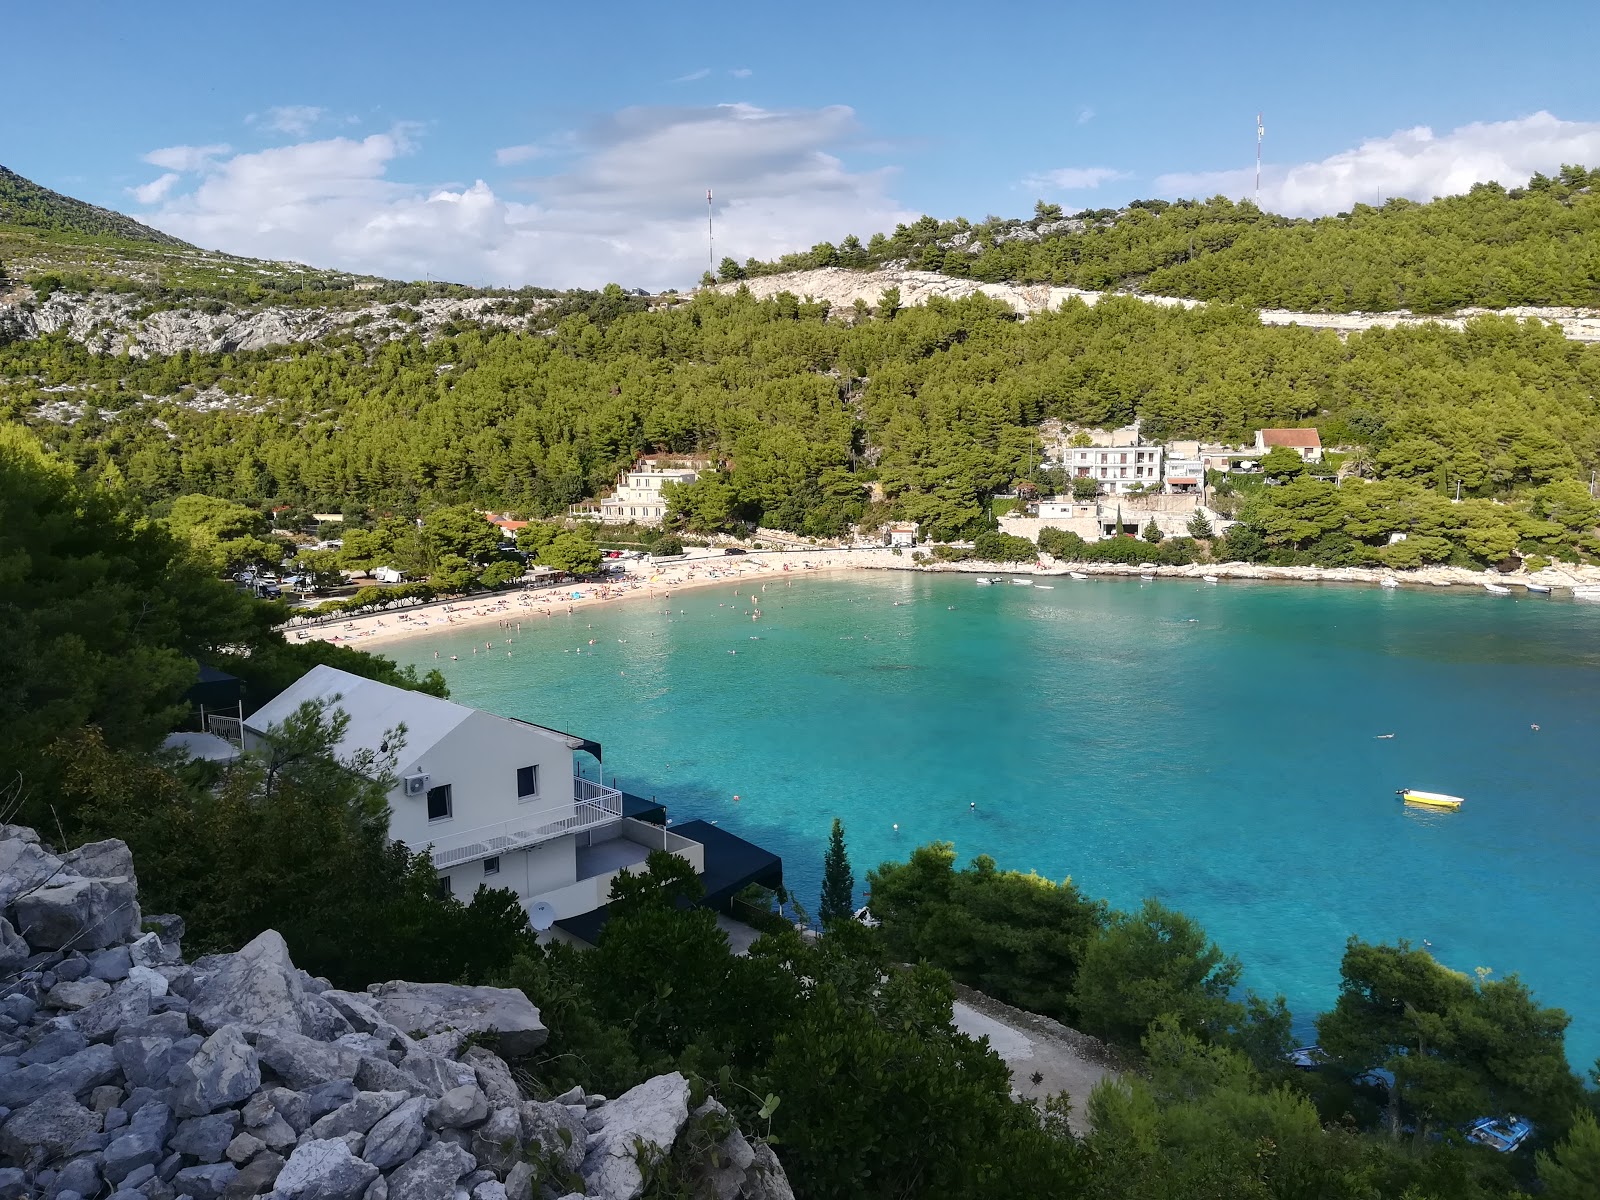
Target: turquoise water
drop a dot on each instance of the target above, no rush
(1213, 746)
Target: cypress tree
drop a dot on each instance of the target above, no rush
(838, 884)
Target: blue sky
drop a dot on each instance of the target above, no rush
(564, 145)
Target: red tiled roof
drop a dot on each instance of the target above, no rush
(1295, 438)
(1187, 480)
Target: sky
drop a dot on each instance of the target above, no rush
(573, 145)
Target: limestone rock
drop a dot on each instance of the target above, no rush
(431, 1008)
(431, 1175)
(143, 1144)
(255, 1177)
(324, 1169)
(77, 993)
(53, 1042)
(206, 1182)
(128, 1002)
(497, 1142)
(206, 1139)
(243, 1148)
(223, 1072)
(459, 1107)
(258, 989)
(436, 1074)
(302, 1062)
(13, 950)
(397, 1136)
(494, 1077)
(110, 859)
(75, 1074)
(556, 1131)
(643, 1120)
(46, 1129)
(111, 965)
(519, 1182)
(358, 1115)
(85, 914)
(150, 1061)
(24, 865)
(765, 1179)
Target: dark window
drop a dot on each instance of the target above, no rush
(439, 803)
(491, 866)
(527, 782)
(444, 888)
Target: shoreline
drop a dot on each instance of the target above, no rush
(659, 581)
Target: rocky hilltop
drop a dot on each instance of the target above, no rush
(114, 323)
(127, 1072)
(842, 287)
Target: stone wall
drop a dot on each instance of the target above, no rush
(127, 1072)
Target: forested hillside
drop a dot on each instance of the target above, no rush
(937, 405)
(23, 202)
(1533, 245)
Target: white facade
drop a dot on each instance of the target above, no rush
(494, 801)
(1185, 474)
(1117, 469)
(638, 499)
(903, 533)
(1307, 443)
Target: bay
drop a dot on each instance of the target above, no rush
(1214, 746)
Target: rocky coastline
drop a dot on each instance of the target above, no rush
(127, 1072)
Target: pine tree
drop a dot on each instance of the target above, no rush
(838, 884)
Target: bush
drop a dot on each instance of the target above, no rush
(951, 553)
(1152, 532)
(1003, 547)
(1062, 544)
(666, 546)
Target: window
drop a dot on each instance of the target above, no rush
(527, 782)
(1124, 458)
(491, 866)
(439, 808)
(442, 884)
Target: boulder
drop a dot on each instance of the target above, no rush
(358, 1115)
(519, 1182)
(53, 1042)
(224, 1072)
(325, 1097)
(494, 1077)
(85, 914)
(243, 1148)
(206, 1139)
(149, 1062)
(81, 1175)
(460, 1106)
(147, 951)
(397, 1136)
(258, 989)
(643, 1122)
(764, 1178)
(255, 1177)
(435, 1074)
(723, 1170)
(142, 1144)
(111, 965)
(206, 1182)
(75, 994)
(110, 859)
(46, 1129)
(421, 1009)
(151, 979)
(13, 1183)
(289, 1104)
(557, 1131)
(497, 1143)
(75, 1074)
(431, 1175)
(13, 950)
(128, 1002)
(302, 1062)
(324, 1169)
(25, 865)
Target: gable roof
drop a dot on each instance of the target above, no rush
(374, 708)
(1294, 438)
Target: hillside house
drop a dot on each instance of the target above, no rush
(1117, 469)
(638, 499)
(494, 800)
(901, 533)
(1307, 443)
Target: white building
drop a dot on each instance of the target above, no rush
(492, 799)
(901, 533)
(638, 499)
(1117, 469)
(1307, 443)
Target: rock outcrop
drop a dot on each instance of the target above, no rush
(127, 1072)
(842, 287)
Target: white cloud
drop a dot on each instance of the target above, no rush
(1085, 115)
(692, 76)
(1072, 179)
(156, 190)
(1415, 163)
(740, 72)
(510, 155)
(629, 208)
(186, 158)
(293, 119)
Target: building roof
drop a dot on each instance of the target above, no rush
(374, 709)
(1294, 438)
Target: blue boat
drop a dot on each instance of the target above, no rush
(1503, 1134)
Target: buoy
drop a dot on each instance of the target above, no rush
(736, 798)
(897, 827)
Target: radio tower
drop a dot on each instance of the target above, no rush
(1260, 133)
(711, 254)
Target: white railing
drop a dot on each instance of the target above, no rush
(593, 804)
(229, 729)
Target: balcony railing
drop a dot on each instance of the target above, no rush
(593, 804)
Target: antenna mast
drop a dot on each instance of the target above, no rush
(1260, 133)
(711, 254)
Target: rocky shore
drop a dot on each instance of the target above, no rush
(127, 1072)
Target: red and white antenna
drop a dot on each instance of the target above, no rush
(711, 254)
(1260, 133)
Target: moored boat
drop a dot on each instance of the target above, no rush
(1077, 575)
(1540, 589)
(1389, 583)
(1209, 578)
(1497, 589)
(984, 580)
(1148, 578)
(1430, 799)
(1022, 582)
(1049, 587)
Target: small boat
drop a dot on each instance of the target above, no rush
(1430, 799)
(1586, 591)
(1389, 583)
(1049, 587)
(1497, 589)
(1022, 583)
(1209, 578)
(1501, 1134)
(1441, 583)
(1540, 589)
(983, 581)
(1077, 575)
(1148, 578)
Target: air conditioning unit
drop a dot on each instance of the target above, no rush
(415, 785)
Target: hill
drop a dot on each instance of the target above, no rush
(23, 202)
(1492, 248)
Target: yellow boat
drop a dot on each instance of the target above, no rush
(1430, 799)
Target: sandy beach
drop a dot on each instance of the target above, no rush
(657, 581)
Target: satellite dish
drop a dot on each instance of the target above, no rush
(541, 915)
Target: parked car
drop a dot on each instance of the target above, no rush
(733, 550)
